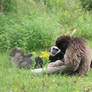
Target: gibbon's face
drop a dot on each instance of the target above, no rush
(55, 54)
(54, 51)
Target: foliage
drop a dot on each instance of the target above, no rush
(27, 32)
(87, 4)
(35, 24)
(84, 26)
(7, 5)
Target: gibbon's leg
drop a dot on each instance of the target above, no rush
(53, 67)
(86, 62)
(82, 70)
(49, 70)
(80, 64)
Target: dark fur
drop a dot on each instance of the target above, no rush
(39, 62)
(77, 54)
(91, 64)
(20, 60)
(58, 56)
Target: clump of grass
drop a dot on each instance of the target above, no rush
(27, 32)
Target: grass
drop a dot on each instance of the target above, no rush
(20, 80)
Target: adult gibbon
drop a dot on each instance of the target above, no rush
(76, 55)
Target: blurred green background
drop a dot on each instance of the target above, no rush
(35, 24)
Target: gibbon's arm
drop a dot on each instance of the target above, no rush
(53, 67)
(56, 63)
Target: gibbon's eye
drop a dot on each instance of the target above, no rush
(56, 49)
